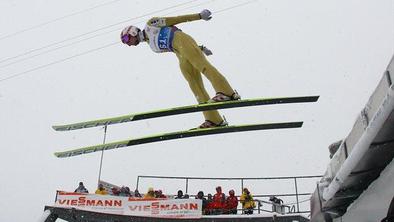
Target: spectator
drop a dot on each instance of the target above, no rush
(137, 194)
(115, 191)
(101, 190)
(200, 196)
(150, 194)
(219, 200)
(179, 195)
(160, 194)
(247, 202)
(81, 188)
(209, 206)
(231, 203)
(156, 193)
(124, 191)
(186, 196)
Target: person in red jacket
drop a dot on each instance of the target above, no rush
(209, 207)
(231, 203)
(219, 201)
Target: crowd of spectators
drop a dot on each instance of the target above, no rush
(217, 204)
(220, 204)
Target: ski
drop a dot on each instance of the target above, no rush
(185, 109)
(177, 135)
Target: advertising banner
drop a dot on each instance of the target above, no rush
(164, 208)
(169, 208)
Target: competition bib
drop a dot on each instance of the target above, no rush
(160, 38)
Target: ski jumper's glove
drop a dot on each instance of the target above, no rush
(205, 50)
(205, 14)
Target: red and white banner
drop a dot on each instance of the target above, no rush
(168, 208)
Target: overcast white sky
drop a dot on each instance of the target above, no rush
(336, 49)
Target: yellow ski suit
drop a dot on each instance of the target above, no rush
(192, 61)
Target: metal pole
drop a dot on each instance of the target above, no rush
(242, 190)
(138, 182)
(187, 185)
(102, 155)
(296, 190)
(57, 193)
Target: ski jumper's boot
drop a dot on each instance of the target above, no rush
(210, 124)
(221, 97)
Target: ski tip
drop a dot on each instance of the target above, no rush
(310, 98)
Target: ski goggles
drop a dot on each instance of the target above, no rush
(126, 38)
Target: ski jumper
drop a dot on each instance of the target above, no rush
(163, 36)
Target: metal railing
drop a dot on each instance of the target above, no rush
(289, 208)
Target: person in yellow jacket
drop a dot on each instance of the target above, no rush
(101, 190)
(150, 194)
(163, 36)
(247, 202)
